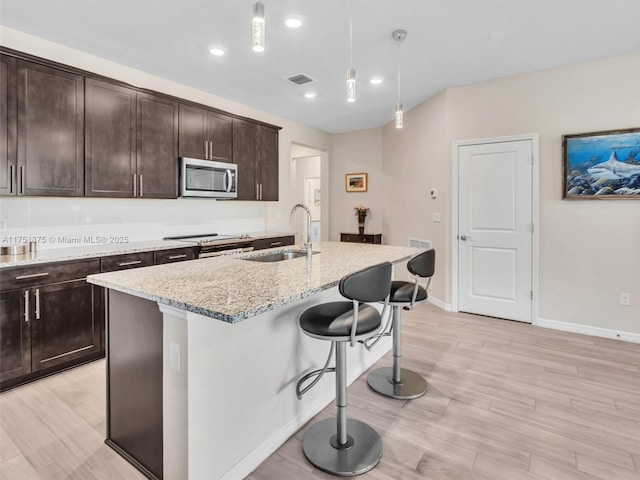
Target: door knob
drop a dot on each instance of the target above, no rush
(464, 238)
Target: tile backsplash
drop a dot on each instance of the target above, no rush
(62, 222)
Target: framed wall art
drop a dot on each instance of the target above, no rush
(356, 182)
(601, 165)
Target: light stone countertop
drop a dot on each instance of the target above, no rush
(231, 289)
(78, 252)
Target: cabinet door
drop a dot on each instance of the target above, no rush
(219, 136)
(7, 125)
(110, 139)
(50, 131)
(15, 340)
(157, 152)
(192, 127)
(244, 155)
(267, 162)
(66, 323)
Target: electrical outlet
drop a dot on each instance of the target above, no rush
(625, 299)
(174, 357)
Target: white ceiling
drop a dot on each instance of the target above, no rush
(448, 44)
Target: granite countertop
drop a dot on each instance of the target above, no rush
(92, 251)
(87, 251)
(232, 289)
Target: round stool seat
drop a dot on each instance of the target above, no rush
(402, 292)
(335, 319)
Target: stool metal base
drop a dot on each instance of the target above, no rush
(412, 385)
(361, 454)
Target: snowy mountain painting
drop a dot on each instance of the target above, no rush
(602, 165)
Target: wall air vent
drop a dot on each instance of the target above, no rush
(419, 243)
(300, 79)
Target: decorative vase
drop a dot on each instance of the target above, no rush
(361, 224)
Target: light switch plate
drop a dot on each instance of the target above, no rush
(436, 217)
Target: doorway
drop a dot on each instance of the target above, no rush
(308, 188)
(495, 215)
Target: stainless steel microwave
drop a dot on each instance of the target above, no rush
(205, 178)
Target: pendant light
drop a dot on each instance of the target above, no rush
(351, 73)
(398, 36)
(257, 27)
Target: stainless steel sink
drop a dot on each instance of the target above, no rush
(277, 256)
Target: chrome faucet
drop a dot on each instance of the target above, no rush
(305, 246)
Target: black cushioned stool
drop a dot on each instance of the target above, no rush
(345, 447)
(398, 382)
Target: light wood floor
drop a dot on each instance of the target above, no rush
(506, 401)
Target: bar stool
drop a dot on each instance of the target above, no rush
(345, 447)
(398, 382)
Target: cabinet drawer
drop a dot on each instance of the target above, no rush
(175, 255)
(273, 242)
(123, 262)
(28, 276)
(366, 238)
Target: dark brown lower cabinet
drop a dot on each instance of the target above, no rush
(66, 324)
(134, 382)
(50, 319)
(15, 336)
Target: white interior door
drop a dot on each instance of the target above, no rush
(495, 229)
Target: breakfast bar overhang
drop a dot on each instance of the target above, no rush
(203, 357)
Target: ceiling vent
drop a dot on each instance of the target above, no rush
(300, 79)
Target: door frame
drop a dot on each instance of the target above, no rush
(535, 214)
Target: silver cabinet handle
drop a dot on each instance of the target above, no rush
(135, 185)
(211, 150)
(464, 238)
(175, 257)
(260, 191)
(11, 172)
(141, 190)
(21, 191)
(257, 192)
(33, 275)
(206, 150)
(125, 264)
(37, 304)
(276, 244)
(26, 305)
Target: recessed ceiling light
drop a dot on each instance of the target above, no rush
(217, 51)
(293, 21)
(310, 95)
(376, 80)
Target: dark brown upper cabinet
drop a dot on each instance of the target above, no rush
(131, 143)
(157, 146)
(255, 151)
(244, 155)
(8, 125)
(267, 162)
(110, 140)
(50, 131)
(205, 134)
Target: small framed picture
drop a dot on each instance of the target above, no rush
(356, 182)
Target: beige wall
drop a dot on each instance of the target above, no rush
(589, 250)
(356, 152)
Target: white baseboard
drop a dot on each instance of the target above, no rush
(249, 463)
(588, 330)
(440, 304)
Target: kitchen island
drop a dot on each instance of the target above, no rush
(203, 357)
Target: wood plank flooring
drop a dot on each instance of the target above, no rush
(506, 401)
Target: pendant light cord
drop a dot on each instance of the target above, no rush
(350, 34)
